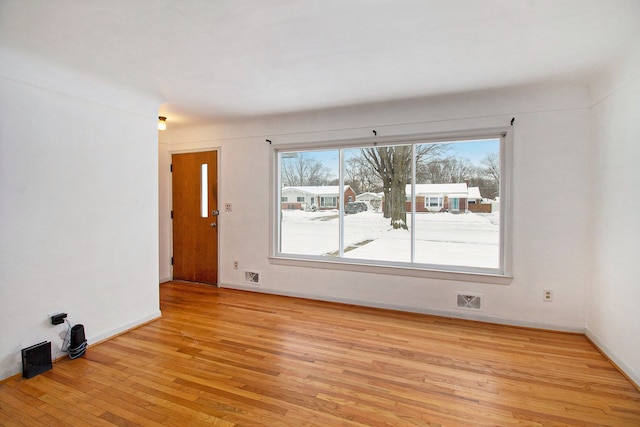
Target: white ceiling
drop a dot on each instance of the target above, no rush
(227, 59)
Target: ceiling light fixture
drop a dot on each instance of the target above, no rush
(162, 123)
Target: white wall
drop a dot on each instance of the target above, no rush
(164, 209)
(613, 319)
(78, 195)
(550, 235)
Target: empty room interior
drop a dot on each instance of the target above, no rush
(408, 212)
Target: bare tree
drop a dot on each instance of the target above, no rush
(491, 167)
(490, 171)
(380, 159)
(393, 167)
(303, 169)
(399, 179)
(360, 176)
(448, 170)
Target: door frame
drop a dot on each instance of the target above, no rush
(170, 189)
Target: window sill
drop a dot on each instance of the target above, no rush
(395, 270)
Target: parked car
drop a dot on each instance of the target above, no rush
(355, 207)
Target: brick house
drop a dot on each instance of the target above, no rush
(453, 197)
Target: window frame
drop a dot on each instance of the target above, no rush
(333, 202)
(502, 275)
(439, 201)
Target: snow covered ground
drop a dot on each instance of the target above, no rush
(441, 238)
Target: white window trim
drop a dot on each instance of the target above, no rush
(480, 275)
(323, 200)
(439, 203)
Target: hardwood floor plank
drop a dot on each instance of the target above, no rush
(231, 358)
(18, 408)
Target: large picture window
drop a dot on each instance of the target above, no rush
(425, 205)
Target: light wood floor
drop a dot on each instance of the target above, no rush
(223, 358)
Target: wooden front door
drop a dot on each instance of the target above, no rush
(195, 217)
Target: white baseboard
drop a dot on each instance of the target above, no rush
(625, 369)
(123, 328)
(92, 340)
(632, 376)
(442, 313)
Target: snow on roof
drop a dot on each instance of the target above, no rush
(369, 195)
(316, 190)
(474, 193)
(455, 190)
(451, 190)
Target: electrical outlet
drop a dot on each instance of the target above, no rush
(227, 207)
(547, 295)
(235, 265)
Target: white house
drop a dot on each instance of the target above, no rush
(450, 197)
(473, 193)
(438, 197)
(315, 197)
(373, 200)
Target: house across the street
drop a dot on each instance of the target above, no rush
(373, 200)
(315, 197)
(452, 197)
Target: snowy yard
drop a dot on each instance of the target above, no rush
(441, 238)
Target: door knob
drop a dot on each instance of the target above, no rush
(213, 224)
(215, 212)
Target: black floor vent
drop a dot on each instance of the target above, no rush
(36, 359)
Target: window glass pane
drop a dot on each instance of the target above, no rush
(378, 225)
(449, 229)
(431, 205)
(204, 194)
(310, 226)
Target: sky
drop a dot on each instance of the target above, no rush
(474, 151)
